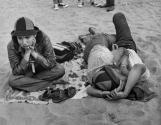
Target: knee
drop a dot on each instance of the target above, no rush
(90, 90)
(60, 70)
(12, 82)
(118, 16)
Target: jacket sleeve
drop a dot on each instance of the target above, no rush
(47, 59)
(18, 65)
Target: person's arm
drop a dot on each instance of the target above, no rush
(124, 65)
(96, 92)
(133, 77)
(47, 59)
(18, 65)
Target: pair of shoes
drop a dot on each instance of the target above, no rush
(92, 3)
(102, 6)
(58, 95)
(80, 4)
(47, 95)
(63, 5)
(111, 8)
(62, 95)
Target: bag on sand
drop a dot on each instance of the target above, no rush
(65, 51)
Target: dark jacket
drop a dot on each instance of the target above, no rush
(43, 46)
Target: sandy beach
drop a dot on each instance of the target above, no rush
(144, 19)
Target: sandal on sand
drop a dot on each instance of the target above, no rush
(47, 95)
(62, 95)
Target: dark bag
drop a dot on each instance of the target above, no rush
(65, 51)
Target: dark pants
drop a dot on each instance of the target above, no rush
(57, 1)
(123, 33)
(110, 3)
(35, 82)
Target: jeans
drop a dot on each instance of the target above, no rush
(57, 1)
(123, 33)
(35, 82)
(110, 3)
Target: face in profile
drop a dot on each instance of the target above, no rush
(117, 53)
(26, 41)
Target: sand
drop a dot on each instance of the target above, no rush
(144, 18)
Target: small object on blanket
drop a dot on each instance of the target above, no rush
(62, 95)
(58, 95)
(47, 95)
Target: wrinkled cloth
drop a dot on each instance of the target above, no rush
(135, 59)
(98, 39)
(99, 56)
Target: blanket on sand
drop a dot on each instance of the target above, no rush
(75, 75)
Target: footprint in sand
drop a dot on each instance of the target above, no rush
(139, 113)
(3, 121)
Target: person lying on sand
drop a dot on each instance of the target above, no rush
(130, 64)
(32, 58)
(129, 68)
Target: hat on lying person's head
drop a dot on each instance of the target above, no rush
(24, 27)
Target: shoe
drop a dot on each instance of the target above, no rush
(94, 4)
(47, 95)
(110, 8)
(102, 6)
(56, 7)
(62, 95)
(80, 5)
(63, 5)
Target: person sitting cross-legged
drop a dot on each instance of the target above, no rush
(126, 66)
(32, 58)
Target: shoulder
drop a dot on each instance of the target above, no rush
(41, 36)
(10, 45)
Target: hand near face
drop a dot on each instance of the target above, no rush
(34, 54)
(27, 54)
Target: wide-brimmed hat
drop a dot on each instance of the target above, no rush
(24, 27)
